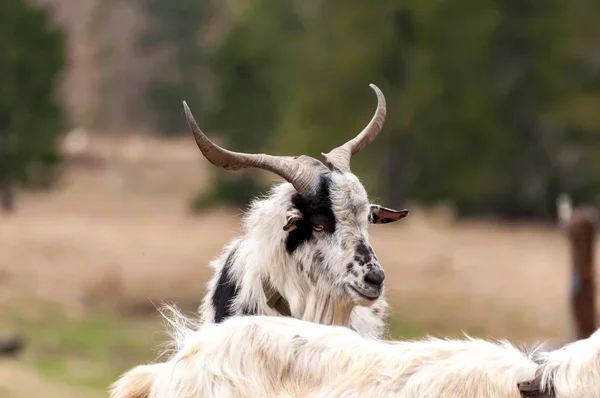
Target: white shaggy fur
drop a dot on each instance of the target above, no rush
(574, 369)
(315, 279)
(262, 356)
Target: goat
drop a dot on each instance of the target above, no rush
(580, 227)
(266, 356)
(305, 250)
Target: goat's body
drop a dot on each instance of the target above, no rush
(276, 356)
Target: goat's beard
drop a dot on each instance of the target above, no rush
(327, 307)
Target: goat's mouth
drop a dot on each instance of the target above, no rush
(366, 293)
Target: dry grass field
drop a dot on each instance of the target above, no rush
(80, 267)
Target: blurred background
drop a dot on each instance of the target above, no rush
(108, 207)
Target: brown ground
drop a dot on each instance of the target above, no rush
(17, 381)
(122, 235)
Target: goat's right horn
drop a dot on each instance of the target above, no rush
(339, 158)
(302, 171)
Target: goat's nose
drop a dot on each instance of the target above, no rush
(374, 277)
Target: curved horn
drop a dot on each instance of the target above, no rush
(301, 171)
(339, 158)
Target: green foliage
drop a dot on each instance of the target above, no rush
(245, 68)
(174, 27)
(31, 60)
(248, 98)
(491, 104)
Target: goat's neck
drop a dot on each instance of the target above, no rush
(308, 300)
(262, 258)
(322, 307)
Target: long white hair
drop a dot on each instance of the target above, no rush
(279, 356)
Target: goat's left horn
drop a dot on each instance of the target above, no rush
(339, 158)
(301, 171)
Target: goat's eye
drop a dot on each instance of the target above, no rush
(318, 227)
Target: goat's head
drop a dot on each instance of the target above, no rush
(328, 215)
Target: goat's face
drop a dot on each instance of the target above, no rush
(327, 235)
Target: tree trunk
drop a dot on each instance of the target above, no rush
(395, 170)
(7, 197)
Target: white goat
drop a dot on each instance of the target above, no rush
(262, 356)
(305, 251)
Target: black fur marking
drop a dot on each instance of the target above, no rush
(312, 274)
(300, 267)
(318, 258)
(350, 269)
(374, 218)
(387, 220)
(317, 262)
(363, 250)
(361, 260)
(226, 291)
(316, 210)
(246, 310)
(364, 254)
(373, 255)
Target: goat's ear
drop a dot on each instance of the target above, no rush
(383, 215)
(292, 216)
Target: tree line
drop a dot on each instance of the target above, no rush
(492, 105)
